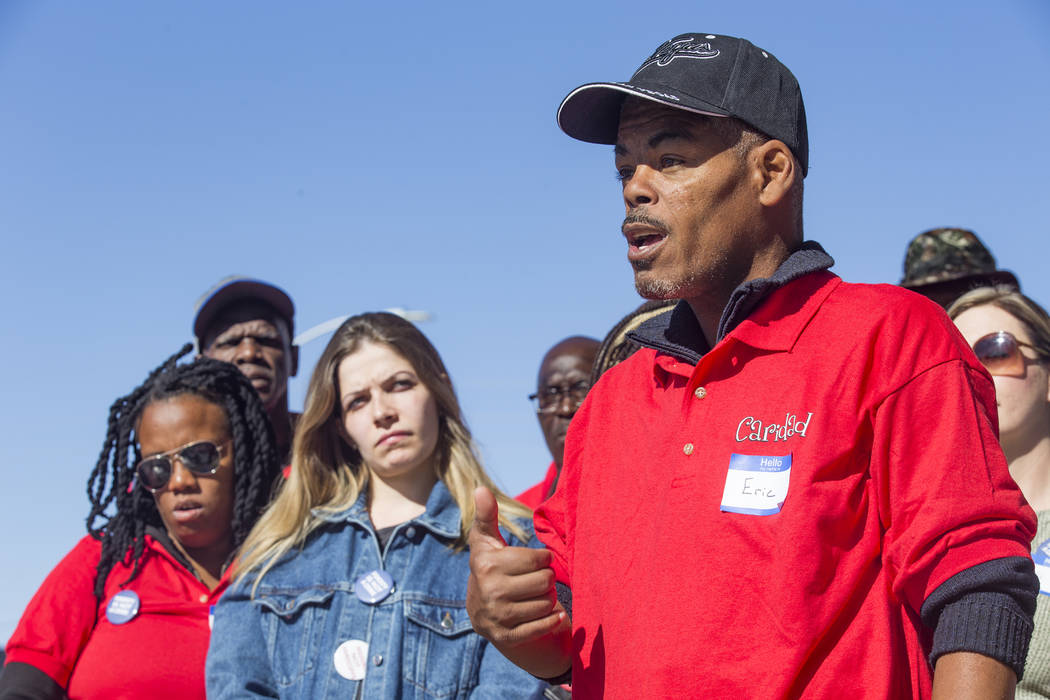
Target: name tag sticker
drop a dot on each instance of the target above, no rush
(1041, 555)
(756, 484)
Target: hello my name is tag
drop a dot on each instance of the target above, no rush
(756, 484)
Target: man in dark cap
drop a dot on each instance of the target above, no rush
(945, 263)
(793, 489)
(249, 323)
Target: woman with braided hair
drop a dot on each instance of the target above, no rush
(187, 466)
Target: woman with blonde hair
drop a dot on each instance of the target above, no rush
(353, 583)
(1010, 334)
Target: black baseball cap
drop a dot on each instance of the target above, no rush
(237, 288)
(712, 74)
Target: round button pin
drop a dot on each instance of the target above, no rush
(1041, 556)
(373, 586)
(123, 606)
(350, 659)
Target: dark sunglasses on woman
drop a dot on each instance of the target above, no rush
(201, 458)
(1001, 355)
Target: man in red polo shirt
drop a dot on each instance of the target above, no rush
(794, 488)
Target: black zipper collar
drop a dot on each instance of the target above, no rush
(677, 331)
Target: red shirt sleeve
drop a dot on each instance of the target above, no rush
(947, 499)
(59, 619)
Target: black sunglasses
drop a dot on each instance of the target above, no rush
(202, 458)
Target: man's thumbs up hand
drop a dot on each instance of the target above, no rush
(510, 594)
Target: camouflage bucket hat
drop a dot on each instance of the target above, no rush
(950, 254)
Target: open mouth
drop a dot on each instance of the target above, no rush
(643, 241)
(647, 240)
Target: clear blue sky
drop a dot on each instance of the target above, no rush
(368, 155)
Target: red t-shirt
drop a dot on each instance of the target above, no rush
(535, 495)
(682, 588)
(158, 653)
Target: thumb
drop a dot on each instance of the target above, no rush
(486, 519)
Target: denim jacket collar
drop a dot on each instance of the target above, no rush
(441, 516)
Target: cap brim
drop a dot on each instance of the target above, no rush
(591, 112)
(973, 281)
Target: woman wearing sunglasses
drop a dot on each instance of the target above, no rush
(1010, 334)
(187, 466)
(353, 584)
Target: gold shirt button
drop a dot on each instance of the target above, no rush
(204, 598)
(688, 449)
(700, 392)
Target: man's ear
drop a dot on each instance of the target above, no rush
(294, 369)
(777, 170)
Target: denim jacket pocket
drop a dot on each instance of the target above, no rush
(441, 647)
(293, 624)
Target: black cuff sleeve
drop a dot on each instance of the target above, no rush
(20, 681)
(565, 598)
(986, 609)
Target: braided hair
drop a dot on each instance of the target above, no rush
(112, 482)
(617, 347)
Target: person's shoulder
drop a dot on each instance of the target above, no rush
(87, 549)
(904, 332)
(638, 364)
(888, 304)
(885, 296)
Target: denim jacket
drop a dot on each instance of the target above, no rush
(420, 643)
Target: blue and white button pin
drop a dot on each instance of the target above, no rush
(373, 586)
(124, 606)
(1041, 555)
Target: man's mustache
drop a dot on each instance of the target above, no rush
(640, 216)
